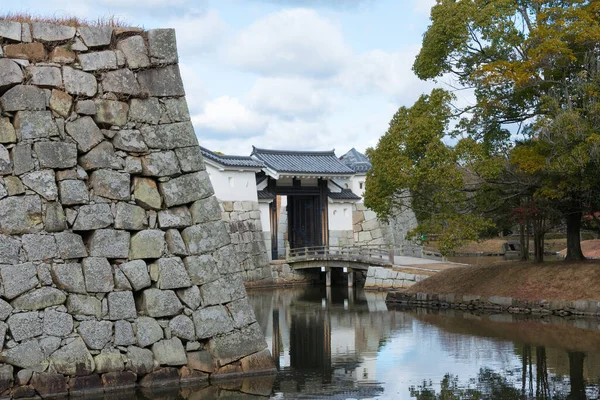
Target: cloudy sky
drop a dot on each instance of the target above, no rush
(287, 74)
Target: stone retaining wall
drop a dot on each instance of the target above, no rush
(381, 278)
(369, 230)
(115, 266)
(341, 238)
(284, 274)
(245, 231)
(496, 304)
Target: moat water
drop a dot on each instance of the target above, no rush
(346, 344)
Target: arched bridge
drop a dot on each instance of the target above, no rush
(349, 258)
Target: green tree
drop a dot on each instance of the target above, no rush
(534, 64)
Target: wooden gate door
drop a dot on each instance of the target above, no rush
(304, 221)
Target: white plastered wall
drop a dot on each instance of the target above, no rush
(233, 185)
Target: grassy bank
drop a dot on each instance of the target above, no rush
(555, 280)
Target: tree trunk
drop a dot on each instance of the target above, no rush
(576, 375)
(574, 252)
(524, 252)
(538, 246)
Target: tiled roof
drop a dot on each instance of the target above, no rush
(302, 162)
(356, 160)
(345, 194)
(231, 161)
(264, 195)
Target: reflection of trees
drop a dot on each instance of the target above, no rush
(492, 385)
(489, 385)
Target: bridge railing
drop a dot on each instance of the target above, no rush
(378, 253)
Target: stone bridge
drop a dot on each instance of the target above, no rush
(347, 258)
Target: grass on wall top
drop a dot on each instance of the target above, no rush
(67, 20)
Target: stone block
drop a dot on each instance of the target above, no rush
(10, 72)
(57, 323)
(7, 131)
(109, 243)
(39, 246)
(227, 260)
(169, 352)
(190, 296)
(25, 326)
(95, 334)
(25, 51)
(177, 110)
(190, 159)
(111, 184)
(130, 140)
(100, 60)
(23, 97)
(46, 32)
(186, 189)
(14, 186)
(84, 305)
(159, 303)
(177, 217)
(124, 335)
(200, 361)
(148, 331)
(10, 250)
(121, 281)
(201, 269)
(69, 277)
(110, 362)
(215, 292)
(135, 52)
(62, 55)
(206, 237)
(133, 165)
(93, 216)
(5, 310)
(73, 192)
(57, 155)
(79, 83)
(49, 385)
(34, 125)
(162, 46)
(54, 218)
(242, 313)
(10, 30)
(85, 132)
(175, 243)
(121, 81)
(205, 210)
(147, 244)
(121, 306)
(26, 355)
(237, 344)
(170, 136)
(111, 112)
(6, 166)
(73, 359)
(137, 273)
(101, 157)
(130, 217)
(22, 159)
(42, 182)
(80, 386)
(70, 245)
(48, 77)
(170, 273)
(261, 361)
(18, 279)
(146, 111)
(212, 321)
(95, 36)
(140, 361)
(160, 164)
(98, 275)
(145, 192)
(85, 107)
(162, 82)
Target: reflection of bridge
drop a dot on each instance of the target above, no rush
(348, 258)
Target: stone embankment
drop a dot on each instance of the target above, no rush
(115, 266)
(245, 231)
(382, 278)
(496, 304)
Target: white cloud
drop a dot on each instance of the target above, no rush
(289, 97)
(290, 42)
(424, 6)
(195, 92)
(198, 33)
(380, 72)
(227, 115)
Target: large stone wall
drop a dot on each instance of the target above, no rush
(370, 231)
(245, 230)
(115, 266)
